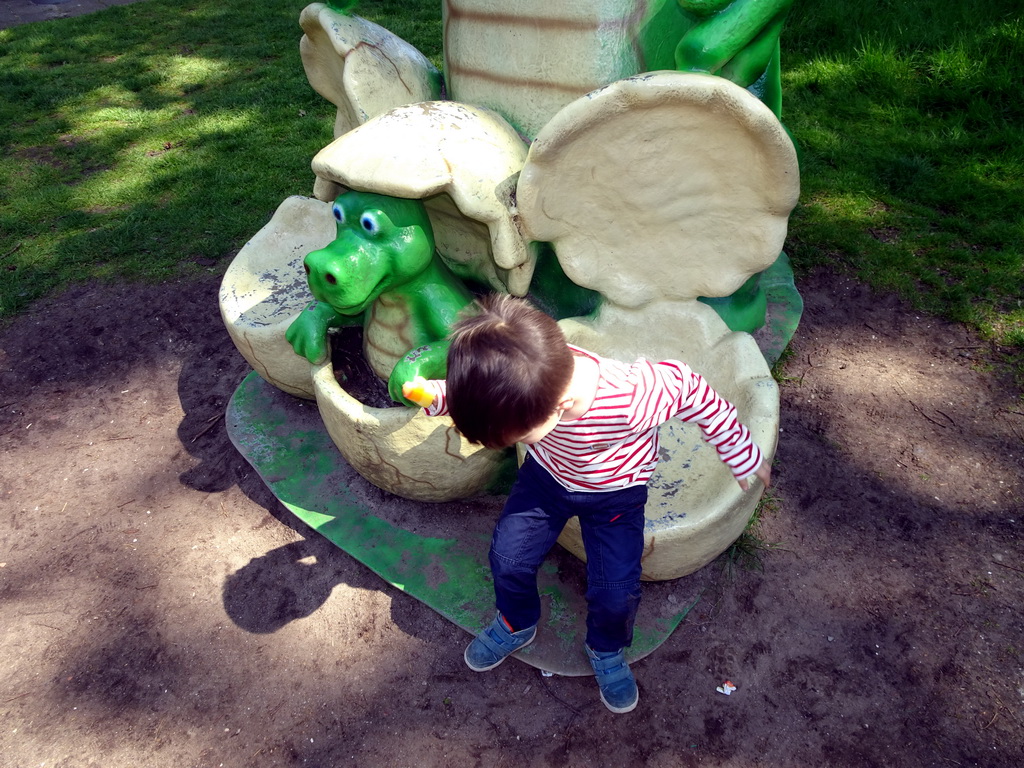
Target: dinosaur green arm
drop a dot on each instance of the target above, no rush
(308, 331)
(750, 63)
(442, 299)
(429, 361)
(439, 298)
(716, 40)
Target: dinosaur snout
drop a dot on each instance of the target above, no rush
(321, 268)
(342, 276)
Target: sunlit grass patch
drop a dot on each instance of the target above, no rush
(149, 141)
(911, 129)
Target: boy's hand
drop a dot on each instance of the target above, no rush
(764, 472)
(418, 392)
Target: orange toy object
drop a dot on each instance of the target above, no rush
(416, 391)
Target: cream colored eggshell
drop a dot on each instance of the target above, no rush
(360, 67)
(265, 287)
(463, 162)
(695, 508)
(402, 450)
(667, 185)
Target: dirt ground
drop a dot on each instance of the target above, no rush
(159, 607)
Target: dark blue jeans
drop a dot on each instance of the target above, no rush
(612, 523)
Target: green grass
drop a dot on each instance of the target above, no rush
(747, 551)
(911, 126)
(151, 140)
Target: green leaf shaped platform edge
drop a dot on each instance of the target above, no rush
(437, 553)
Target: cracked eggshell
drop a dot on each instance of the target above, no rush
(360, 67)
(695, 508)
(265, 287)
(463, 162)
(663, 186)
(402, 450)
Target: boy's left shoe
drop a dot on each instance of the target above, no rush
(615, 680)
(495, 644)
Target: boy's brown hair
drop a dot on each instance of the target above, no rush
(508, 367)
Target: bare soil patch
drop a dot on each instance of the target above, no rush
(159, 607)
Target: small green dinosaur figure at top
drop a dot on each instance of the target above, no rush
(381, 271)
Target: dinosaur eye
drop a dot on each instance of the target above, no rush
(339, 213)
(370, 224)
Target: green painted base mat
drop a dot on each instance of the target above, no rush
(435, 552)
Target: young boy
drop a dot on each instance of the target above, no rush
(590, 427)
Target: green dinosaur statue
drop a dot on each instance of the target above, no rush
(381, 271)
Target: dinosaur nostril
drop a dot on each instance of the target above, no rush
(331, 279)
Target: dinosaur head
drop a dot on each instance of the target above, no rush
(382, 243)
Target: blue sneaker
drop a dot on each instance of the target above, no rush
(618, 688)
(495, 643)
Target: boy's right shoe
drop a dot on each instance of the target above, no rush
(615, 680)
(495, 644)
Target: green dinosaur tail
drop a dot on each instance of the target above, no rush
(343, 6)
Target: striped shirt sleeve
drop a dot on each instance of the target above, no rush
(691, 399)
(439, 389)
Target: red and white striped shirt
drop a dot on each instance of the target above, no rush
(615, 443)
